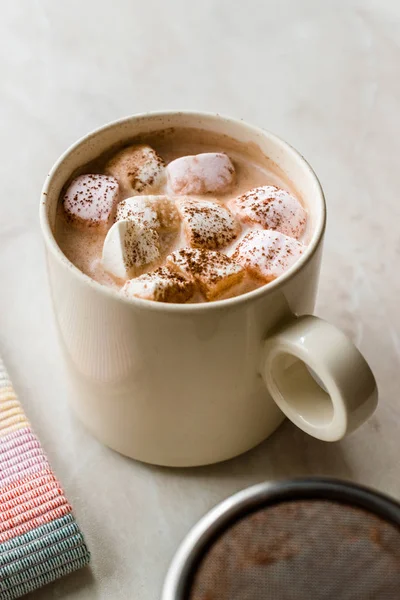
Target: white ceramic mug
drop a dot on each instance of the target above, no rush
(192, 384)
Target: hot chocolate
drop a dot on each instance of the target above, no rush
(181, 216)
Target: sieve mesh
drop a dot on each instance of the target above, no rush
(302, 550)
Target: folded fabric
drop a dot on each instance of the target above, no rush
(39, 538)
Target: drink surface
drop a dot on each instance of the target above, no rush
(182, 215)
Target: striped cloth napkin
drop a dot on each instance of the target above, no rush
(39, 538)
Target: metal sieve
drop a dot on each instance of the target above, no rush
(308, 539)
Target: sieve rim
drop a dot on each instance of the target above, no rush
(183, 566)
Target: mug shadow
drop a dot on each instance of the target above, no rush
(288, 453)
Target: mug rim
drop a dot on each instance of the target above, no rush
(264, 290)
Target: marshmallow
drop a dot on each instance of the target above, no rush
(273, 208)
(90, 200)
(212, 271)
(267, 254)
(201, 174)
(129, 248)
(162, 285)
(157, 212)
(137, 168)
(207, 224)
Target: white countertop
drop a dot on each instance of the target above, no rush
(323, 75)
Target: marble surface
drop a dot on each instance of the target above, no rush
(323, 75)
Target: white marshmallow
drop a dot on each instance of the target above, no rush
(207, 224)
(267, 254)
(272, 208)
(137, 168)
(210, 172)
(162, 285)
(157, 212)
(212, 271)
(129, 248)
(90, 200)
(138, 209)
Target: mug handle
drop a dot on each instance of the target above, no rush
(318, 378)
